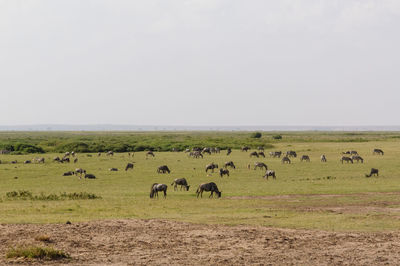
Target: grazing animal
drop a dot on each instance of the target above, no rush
(260, 148)
(291, 154)
(195, 154)
(40, 160)
(150, 153)
(67, 153)
(206, 150)
(75, 160)
(79, 171)
(129, 166)
(14, 162)
(346, 159)
(228, 151)
(99, 154)
(73, 154)
(323, 158)
(163, 169)
(275, 154)
(353, 152)
(269, 173)
(69, 173)
(230, 164)
(261, 153)
(260, 165)
(113, 169)
(187, 150)
(357, 158)
(27, 161)
(57, 159)
(374, 171)
(65, 159)
(181, 182)
(378, 151)
(223, 172)
(254, 153)
(208, 187)
(90, 176)
(155, 188)
(305, 158)
(286, 159)
(211, 167)
(110, 153)
(245, 148)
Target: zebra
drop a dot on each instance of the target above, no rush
(357, 158)
(305, 158)
(323, 158)
(269, 173)
(378, 151)
(286, 159)
(347, 159)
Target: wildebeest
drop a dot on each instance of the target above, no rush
(245, 148)
(66, 154)
(305, 158)
(150, 153)
(347, 159)
(254, 153)
(14, 162)
(110, 153)
(260, 148)
(181, 182)
(357, 158)
(378, 151)
(80, 171)
(323, 158)
(230, 164)
(206, 150)
(65, 159)
(260, 165)
(57, 159)
(155, 188)
(113, 169)
(261, 153)
(223, 172)
(129, 166)
(275, 154)
(291, 154)
(228, 151)
(99, 154)
(269, 173)
(40, 160)
(75, 160)
(69, 173)
(211, 167)
(163, 169)
(374, 171)
(208, 187)
(27, 161)
(286, 159)
(90, 176)
(195, 154)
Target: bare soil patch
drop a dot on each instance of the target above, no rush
(159, 242)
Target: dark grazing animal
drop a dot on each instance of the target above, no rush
(223, 172)
(79, 171)
(254, 153)
(228, 151)
(374, 171)
(57, 159)
(346, 159)
(323, 158)
(181, 182)
(230, 164)
(155, 188)
(69, 173)
(291, 154)
(129, 166)
(208, 187)
(206, 150)
(211, 167)
(260, 165)
(260, 148)
(378, 151)
(163, 169)
(75, 160)
(195, 154)
(113, 169)
(110, 153)
(261, 153)
(65, 159)
(357, 158)
(40, 160)
(305, 158)
(90, 176)
(150, 153)
(27, 161)
(286, 159)
(269, 173)
(245, 148)
(14, 162)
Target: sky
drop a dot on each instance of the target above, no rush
(200, 62)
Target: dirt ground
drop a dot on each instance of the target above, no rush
(159, 242)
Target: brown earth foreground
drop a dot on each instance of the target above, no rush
(155, 242)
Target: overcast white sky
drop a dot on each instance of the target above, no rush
(200, 62)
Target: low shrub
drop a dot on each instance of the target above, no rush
(36, 252)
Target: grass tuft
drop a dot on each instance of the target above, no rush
(43, 238)
(36, 252)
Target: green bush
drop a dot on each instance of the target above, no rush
(256, 135)
(277, 137)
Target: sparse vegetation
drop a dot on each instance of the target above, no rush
(36, 252)
(27, 195)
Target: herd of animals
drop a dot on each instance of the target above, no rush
(348, 157)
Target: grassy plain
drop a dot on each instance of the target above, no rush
(311, 195)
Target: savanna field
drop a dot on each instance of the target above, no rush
(324, 198)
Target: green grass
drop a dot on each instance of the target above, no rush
(36, 252)
(291, 201)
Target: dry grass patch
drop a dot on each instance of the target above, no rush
(43, 238)
(36, 252)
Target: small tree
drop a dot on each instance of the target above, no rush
(256, 135)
